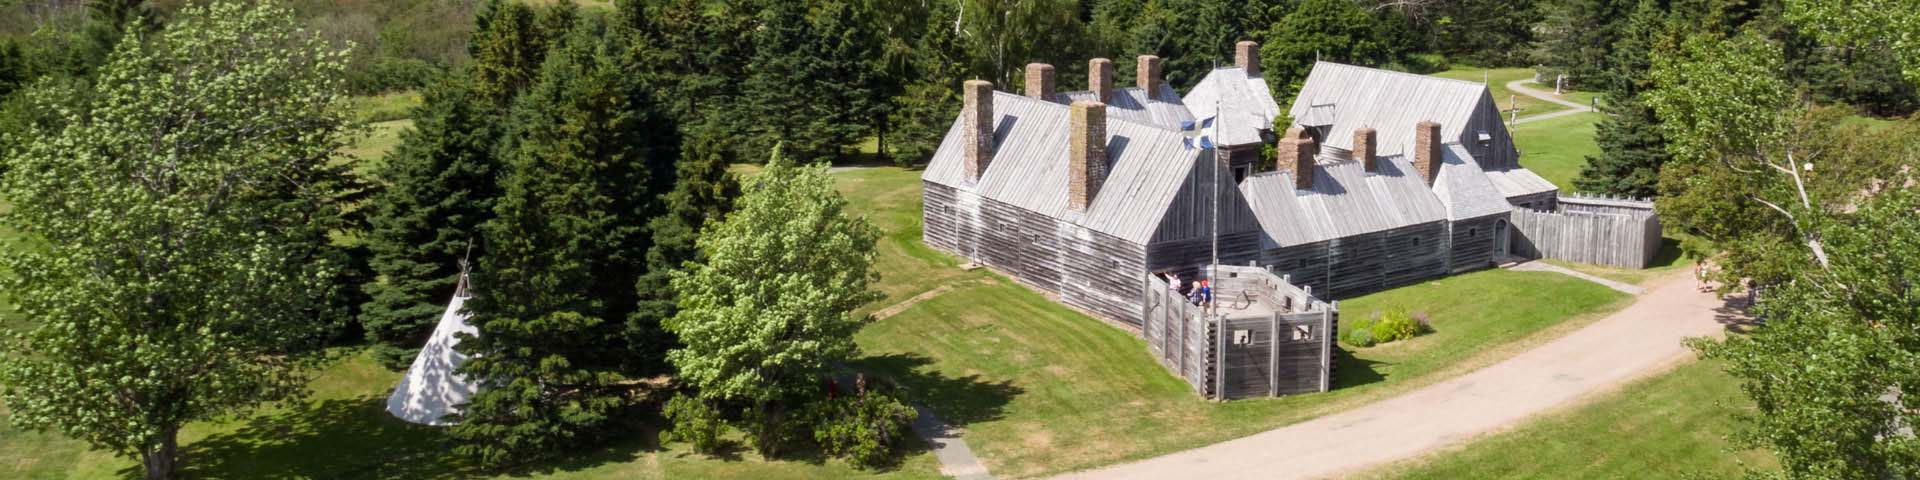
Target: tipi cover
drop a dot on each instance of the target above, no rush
(431, 390)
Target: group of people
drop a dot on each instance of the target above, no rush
(1198, 292)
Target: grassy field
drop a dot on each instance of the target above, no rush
(385, 107)
(381, 138)
(1042, 389)
(1496, 80)
(1556, 148)
(1674, 425)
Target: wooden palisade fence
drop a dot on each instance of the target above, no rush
(1269, 337)
(1617, 232)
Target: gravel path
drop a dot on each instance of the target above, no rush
(1520, 86)
(1643, 339)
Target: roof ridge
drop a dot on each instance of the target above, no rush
(1409, 74)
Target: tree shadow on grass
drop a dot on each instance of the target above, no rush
(1350, 371)
(338, 438)
(958, 400)
(1668, 254)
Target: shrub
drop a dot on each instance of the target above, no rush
(694, 422)
(1360, 335)
(1395, 325)
(864, 429)
(1425, 323)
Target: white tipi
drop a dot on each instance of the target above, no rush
(431, 390)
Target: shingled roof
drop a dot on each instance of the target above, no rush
(1131, 104)
(1029, 167)
(1351, 97)
(1245, 103)
(1465, 188)
(1345, 200)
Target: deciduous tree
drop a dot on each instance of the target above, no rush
(170, 270)
(769, 311)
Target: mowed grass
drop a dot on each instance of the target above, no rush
(370, 152)
(1556, 148)
(1041, 389)
(1496, 80)
(384, 107)
(1675, 425)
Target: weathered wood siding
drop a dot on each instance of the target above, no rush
(1282, 354)
(1178, 335)
(1618, 240)
(1471, 247)
(1498, 151)
(1087, 269)
(1351, 266)
(1541, 202)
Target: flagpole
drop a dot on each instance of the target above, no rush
(1213, 275)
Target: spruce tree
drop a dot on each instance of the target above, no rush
(808, 88)
(564, 252)
(507, 47)
(702, 195)
(440, 190)
(1632, 148)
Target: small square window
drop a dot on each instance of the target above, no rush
(1302, 333)
(1242, 337)
(1303, 264)
(1416, 241)
(1473, 232)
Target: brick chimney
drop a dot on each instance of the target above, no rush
(1246, 55)
(979, 136)
(1148, 72)
(1087, 154)
(1040, 81)
(1426, 150)
(1100, 79)
(1364, 148)
(1296, 155)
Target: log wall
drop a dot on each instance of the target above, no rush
(1352, 266)
(1617, 240)
(1472, 242)
(1090, 270)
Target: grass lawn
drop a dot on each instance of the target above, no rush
(381, 138)
(1556, 148)
(1674, 425)
(385, 107)
(1496, 80)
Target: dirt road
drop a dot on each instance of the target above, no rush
(1640, 340)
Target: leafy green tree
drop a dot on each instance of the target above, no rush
(1487, 32)
(769, 311)
(564, 250)
(170, 273)
(440, 190)
(1834, 368)
(1331, 30)
(1892, 24)
(1004, 35)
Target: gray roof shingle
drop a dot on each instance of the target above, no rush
(1345, 200)
(1131, 104)
(1245, 104)
(1029, 168)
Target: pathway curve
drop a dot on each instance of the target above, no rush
(1539, 266)
(1635, 342)
(1520, 86)
(956, 458)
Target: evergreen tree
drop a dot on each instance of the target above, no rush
(1632, 147)
(702, 196)
(808, 88)
(508, 46)
(564, 252)
(440, 190)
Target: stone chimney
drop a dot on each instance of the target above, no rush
(1246, 55)
(1148, 72)
(1364, 148)
(1296, 155)
(1426, 150)
(1100, 79)
(979, 133)
(1087, 154)
(1040, 81)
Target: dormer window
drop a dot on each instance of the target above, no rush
(1485, 139)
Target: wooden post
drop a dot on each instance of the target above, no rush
(1219, 360)
(1326, 349)
(1273, 355)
